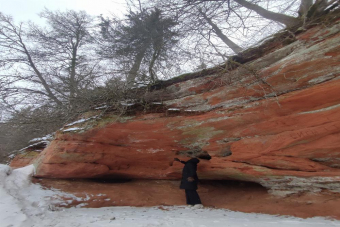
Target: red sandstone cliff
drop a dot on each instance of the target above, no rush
(278, 115)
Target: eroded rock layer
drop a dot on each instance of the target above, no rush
(278, 117)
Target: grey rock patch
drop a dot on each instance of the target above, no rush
(322, 79)
(286, 185)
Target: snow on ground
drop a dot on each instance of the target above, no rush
(23, 204)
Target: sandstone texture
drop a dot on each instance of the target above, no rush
(274, 121)
(29, 154)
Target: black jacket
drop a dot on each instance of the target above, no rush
(189, 170)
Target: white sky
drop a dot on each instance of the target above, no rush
(23, 10)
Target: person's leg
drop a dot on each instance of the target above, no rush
(195, 199)
(192, 197)
(187, 196)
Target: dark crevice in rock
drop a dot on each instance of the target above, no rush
(328, 161)
(195, 153)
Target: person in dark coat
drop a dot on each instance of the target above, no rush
(189, 181)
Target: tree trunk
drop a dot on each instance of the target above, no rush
(282, 18)
(317, 8)
(155, 55)
(73, 83)
(237, 49)
(304, 7)
(132, 74)
(40, 76)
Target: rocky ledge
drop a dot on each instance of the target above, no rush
(274, 120)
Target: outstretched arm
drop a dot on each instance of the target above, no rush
(176, 159)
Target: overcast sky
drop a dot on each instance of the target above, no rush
(23, 10)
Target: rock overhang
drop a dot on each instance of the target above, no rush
(277, 115)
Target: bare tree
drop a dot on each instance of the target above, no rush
(25, 125)
(236, 48)
(51, 63)
(216, 29)
(289, 21)
(142, 41)
(279, 17)
(15, 50)
(304, 7)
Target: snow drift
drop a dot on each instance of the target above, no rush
(24, 204)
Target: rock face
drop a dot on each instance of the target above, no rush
(29, 154)
(278, 116)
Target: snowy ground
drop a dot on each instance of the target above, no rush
(26, 205)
